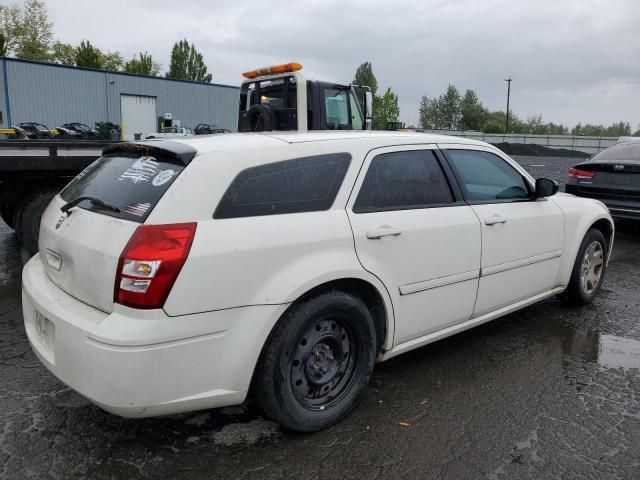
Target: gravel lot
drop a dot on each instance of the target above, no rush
(547, 392)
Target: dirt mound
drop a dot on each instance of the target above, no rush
(533, 150)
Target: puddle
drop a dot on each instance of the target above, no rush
(607, 350)
(618, 352)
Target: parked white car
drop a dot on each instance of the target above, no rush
(177, 276)
(171, 132)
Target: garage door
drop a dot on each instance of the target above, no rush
(138, 115)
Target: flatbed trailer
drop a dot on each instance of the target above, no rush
(32, 172)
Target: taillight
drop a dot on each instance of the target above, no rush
(581, 174)
(150, 264)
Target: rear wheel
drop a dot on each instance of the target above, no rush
(316, 362)
(28, 218)
(588, 269)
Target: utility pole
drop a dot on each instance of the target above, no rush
(508, 80)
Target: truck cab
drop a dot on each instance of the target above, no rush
(281, 98)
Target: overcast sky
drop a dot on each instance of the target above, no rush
(571, 60)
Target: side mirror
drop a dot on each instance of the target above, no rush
(368, 104)
(545, 187)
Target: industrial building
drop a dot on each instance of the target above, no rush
(54, 94)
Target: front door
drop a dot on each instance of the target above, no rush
(522, 237)
(414, 232)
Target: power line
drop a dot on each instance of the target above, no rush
(621, 82)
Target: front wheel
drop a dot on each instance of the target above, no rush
(316, 362)
(588, 269)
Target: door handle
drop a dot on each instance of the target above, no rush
(383, 232)
(494, 219)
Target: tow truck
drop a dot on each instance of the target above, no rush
(280, 98)
(277, 97)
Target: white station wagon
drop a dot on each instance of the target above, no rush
(182, 275)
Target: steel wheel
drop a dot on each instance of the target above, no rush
(592, 267)
(323, 364)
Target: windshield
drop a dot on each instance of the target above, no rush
(132, 183)
(170, 130)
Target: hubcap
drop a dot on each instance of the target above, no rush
(592, 264)
(323, 364)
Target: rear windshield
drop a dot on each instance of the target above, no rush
(130, 183)
(620, 152)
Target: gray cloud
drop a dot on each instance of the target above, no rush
(569, 60)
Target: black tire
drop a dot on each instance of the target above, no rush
(576, 293)
(262, 118)
(306, 391)
(28, 218)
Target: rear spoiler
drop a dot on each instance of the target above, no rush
(175, 152)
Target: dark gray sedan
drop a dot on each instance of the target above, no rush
(613, 177)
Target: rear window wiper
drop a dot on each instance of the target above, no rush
(94, 201)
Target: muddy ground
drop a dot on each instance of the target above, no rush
(547, 392)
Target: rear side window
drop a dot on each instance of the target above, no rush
(485, 177)
(300, 185)
(131, 184)
(402, 181)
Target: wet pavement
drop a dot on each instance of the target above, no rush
(547, 392)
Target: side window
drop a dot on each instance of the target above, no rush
(337, 109)
(402, 181)
(300, 185)
(487, 177)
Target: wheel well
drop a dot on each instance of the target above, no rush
(606, 228)
(367, 293)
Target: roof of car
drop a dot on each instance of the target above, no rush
(232, 141)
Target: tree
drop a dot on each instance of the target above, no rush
(63, 53)
(364, 76)
(88, 56)
(388, 110)
(495, 122)
(142, 65)
(428, 113)
(187, 63)
(112, 61)
(450, 108)
(443, 112)
(3, 45)
(619, 129)
(27, 31)
(473, 113)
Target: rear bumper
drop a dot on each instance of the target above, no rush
(144, 363)
(619, 208)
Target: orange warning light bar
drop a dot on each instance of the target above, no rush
(282, 68)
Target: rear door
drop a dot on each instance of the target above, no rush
(413, 231)
(80, 248)
(522, 238)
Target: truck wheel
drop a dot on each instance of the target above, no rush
(262, 118)
(317, 361)
(588, 269)
(28, 217)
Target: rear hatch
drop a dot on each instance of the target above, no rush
(80, 247)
